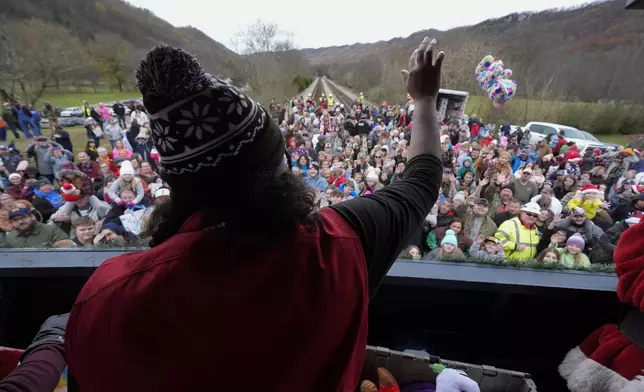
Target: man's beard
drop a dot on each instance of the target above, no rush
(29, 228)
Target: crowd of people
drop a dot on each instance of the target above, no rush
(502, 197)
(101, 195)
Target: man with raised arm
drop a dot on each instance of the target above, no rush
(220, 300)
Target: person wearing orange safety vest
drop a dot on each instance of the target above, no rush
(519, 236)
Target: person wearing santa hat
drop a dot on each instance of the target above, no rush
(253, 273)
(611, 359)
(588, 199)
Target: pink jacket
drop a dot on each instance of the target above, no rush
(104, 112)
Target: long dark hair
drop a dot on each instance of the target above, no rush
(267, 206)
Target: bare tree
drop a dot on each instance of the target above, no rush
(46, 56)
(113, 58)
(268, 61)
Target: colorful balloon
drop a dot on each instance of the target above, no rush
(495, 80)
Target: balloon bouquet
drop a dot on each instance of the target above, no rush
(495, 80)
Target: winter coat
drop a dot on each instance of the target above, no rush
(121, 153)
(12, 161)
(53, 197)
(40, 156)
(115, 190)
(97, 210)
(590, 207)
(590, 231)
(477, 252)
(568, 259)
(462, 170)
(62, 137)
(318, 183)
(436, 255)
(104, 112)
(465, 213)
(9, 115)
(91, 170)
(57, 162)
(608, 242)
(114, 131)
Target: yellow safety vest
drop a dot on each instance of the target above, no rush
(361, 99)
(512, 233)
(331, 102)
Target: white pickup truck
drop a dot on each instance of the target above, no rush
(584, 140)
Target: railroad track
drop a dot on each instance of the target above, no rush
(339, 95)
(349, 95)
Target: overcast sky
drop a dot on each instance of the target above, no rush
(327, 23)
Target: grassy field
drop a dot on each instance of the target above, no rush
(77, 134)
(616, 139)
(596, 118)
(71, 99)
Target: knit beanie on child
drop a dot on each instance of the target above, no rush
(126, 168)
(576, 240)
(450, 238)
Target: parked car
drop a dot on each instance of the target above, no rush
(607, 146)
(72, 112)
(539, 130)
(71, 121)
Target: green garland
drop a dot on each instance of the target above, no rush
(532, 264)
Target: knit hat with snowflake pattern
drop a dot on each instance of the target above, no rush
(203, 126)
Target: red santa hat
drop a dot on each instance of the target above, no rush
(69, 192)
(590, 188)
(610, 359)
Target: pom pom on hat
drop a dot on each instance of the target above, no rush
(69, 192)
(450, 238)
(15, 176)
(201, 123)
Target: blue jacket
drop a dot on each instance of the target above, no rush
(53, 197)
(518, 163)
(22, 116)
(317, 183)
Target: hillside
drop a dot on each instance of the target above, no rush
(588, 53)
(140, 27)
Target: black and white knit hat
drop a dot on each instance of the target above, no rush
(201, 124)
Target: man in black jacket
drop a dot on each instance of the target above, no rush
(119, 110)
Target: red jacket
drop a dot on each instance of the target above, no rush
(562, 142)
(474, 132)
(192, 314)
(92, 170)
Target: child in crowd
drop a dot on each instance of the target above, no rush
(448, 249)
(572, 255)
(487, 248)
(549, 255)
